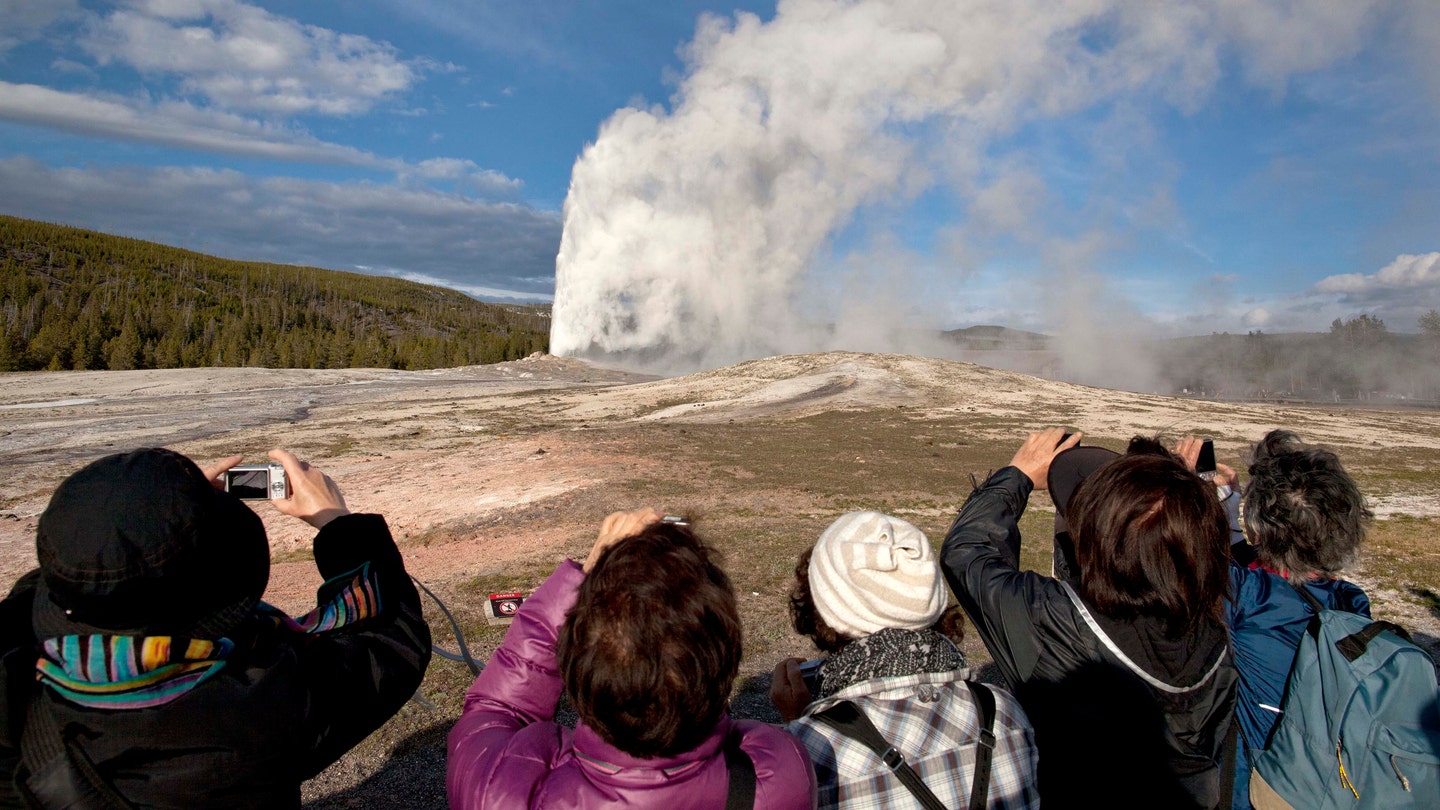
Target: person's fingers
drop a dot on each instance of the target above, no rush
(792, 676)
(779, 683)
(214, 469)
(294, 467)
(1040, 448)
(1228, 475)
(641, 518)
(1188, 449)
(314, 496)
(1070, 442)
(788, 691)
(607, 526)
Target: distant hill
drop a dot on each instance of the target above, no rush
(992, 338)
(76, 299)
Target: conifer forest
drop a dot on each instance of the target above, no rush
(77, 299)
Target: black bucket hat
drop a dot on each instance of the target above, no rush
(1067, 471)
(140, 543)
(1071, 467)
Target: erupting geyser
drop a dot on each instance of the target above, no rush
(701, 233)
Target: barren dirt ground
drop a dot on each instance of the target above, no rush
(490, 475)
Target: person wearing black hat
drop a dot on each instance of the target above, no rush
(1122, 664)
(141, 669)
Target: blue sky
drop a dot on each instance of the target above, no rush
(1291, 179)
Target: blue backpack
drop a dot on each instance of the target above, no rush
(1360, 725)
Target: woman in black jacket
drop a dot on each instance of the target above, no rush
(140, 668)
(1126, 674)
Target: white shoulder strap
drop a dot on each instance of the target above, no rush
(1125, 659)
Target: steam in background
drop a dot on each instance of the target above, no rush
(763, 210)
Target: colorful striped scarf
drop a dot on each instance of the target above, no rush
(359, 599)
(137, 672)
(128, 672)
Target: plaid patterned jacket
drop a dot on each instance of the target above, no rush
(932, 719)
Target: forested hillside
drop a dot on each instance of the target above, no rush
(75, 299)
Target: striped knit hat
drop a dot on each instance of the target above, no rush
(871, 571)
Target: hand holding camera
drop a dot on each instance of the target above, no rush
(790, 688)
(1199, 455)
(294, 486)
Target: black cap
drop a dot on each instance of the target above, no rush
(141, 543)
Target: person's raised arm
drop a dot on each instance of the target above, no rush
(367, 644)
(980, 556)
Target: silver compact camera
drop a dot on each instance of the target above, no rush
(257, 482)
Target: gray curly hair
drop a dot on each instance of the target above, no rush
(1302, 511)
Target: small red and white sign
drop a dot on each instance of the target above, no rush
(504, 606)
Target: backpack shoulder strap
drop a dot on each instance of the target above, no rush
(740, 795)
(848, 719)
(1309, 598)
(980, 782)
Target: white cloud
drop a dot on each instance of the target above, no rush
(472, 290)
(23, 20)
(182, 125)
(243, 57)
(1404, 276)
(1257, 317)
(455, 240)
(73, 67)
(175, 123)
(1283, 37)
(466, 176)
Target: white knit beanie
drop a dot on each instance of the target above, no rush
(871, 571)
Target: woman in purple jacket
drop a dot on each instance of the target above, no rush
(645, 640)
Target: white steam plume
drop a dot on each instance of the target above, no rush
(692, 233)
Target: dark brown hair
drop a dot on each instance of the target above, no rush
(807, 621)
(1150, 538)
(1303, 512)
(651, 648)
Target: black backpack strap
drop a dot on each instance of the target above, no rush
(1354, 645)
(1308, 597)
(741, 793)
(848, 719)
(54, 769)
(980, 783)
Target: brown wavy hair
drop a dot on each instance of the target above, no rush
(651, 649)
(1151, 539)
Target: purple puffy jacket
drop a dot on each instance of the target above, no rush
(506, 751)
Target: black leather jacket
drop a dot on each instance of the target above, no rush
(1139, 722)
(286, 705)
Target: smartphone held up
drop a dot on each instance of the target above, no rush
(1205, 464)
